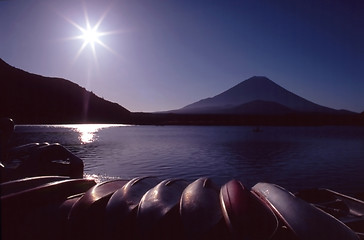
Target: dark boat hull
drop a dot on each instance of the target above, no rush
(58, 208)
(45, 159)
(347, 209)
(33, 213)
(200, 210)
(244, 214)
(87, 215)
(122, 207)
(157, 215)
(302, 219)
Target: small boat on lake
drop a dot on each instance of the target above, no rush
(257, 129)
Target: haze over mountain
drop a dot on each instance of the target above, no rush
(31, 98)
(256, 95)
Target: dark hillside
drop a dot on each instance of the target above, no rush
(31, 98)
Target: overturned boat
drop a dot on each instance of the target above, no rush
(55, 207)
(35, 159)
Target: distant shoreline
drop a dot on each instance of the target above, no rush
(219, 120)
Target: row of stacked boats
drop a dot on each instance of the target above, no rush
(44, 196)
(55, 207)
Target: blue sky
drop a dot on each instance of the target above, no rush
(162, 55)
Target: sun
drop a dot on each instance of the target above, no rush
(91, 35)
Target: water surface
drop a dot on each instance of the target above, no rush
(294, 157)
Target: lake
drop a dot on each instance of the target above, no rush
(293, 157)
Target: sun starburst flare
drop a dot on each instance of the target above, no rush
(91, 35)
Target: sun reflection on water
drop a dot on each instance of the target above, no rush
(88, 132)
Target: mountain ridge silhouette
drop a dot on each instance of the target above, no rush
(31, 98)
(256, 88)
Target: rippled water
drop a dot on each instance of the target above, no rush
(293, 157)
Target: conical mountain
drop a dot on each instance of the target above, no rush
(252, 91)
